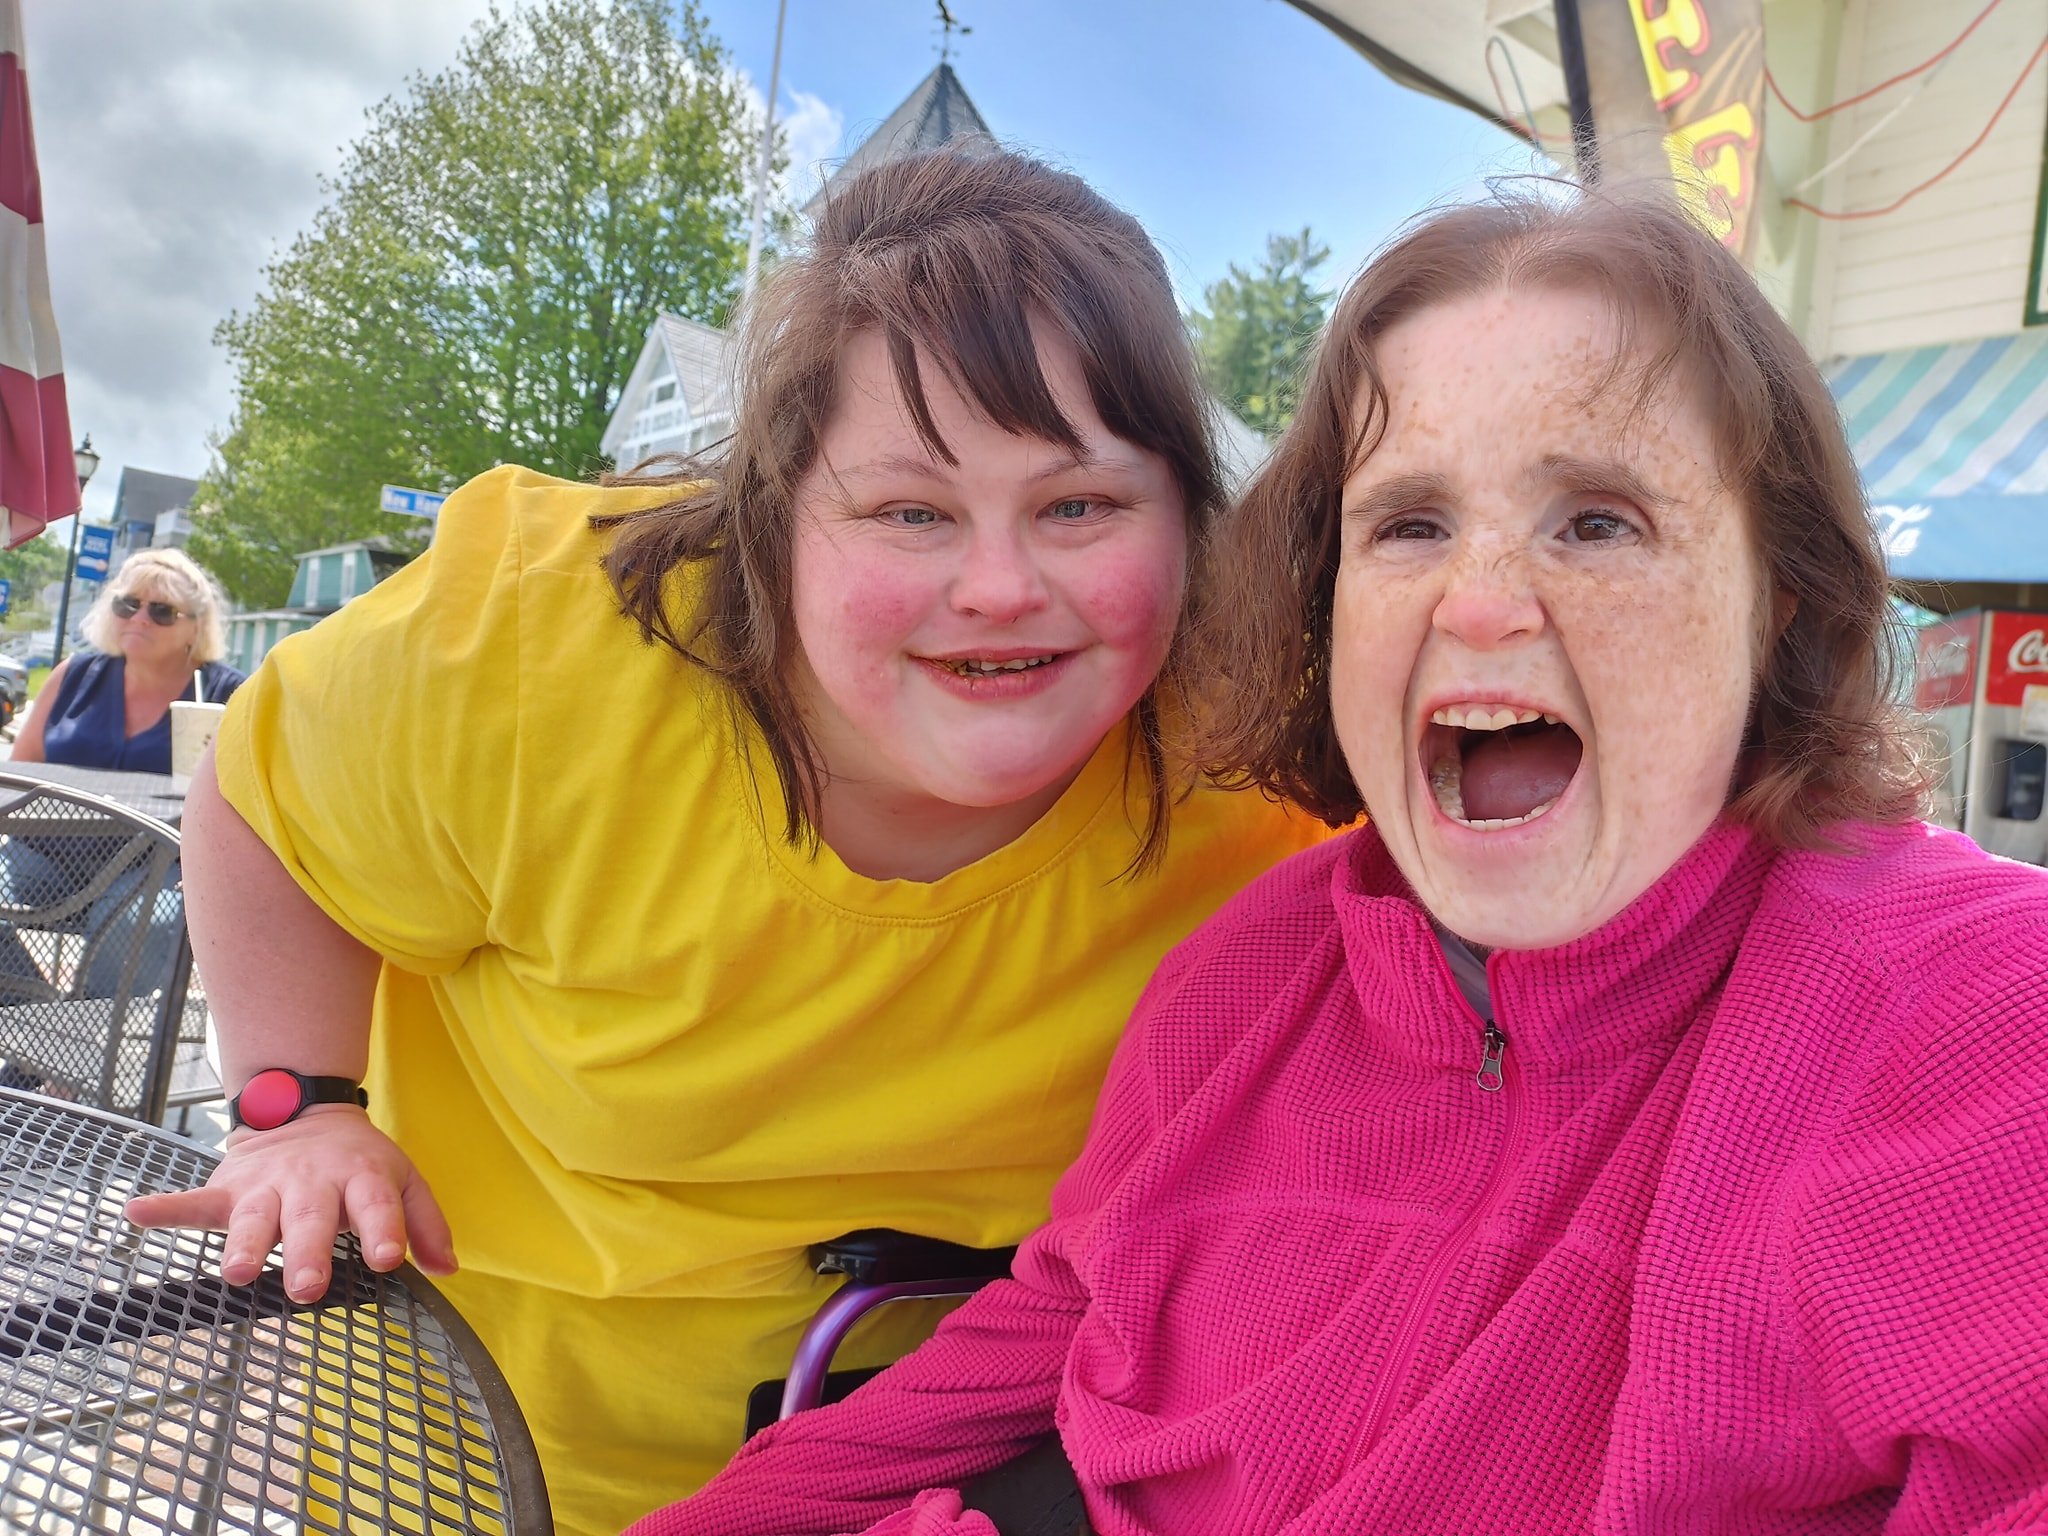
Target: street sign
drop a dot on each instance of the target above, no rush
(95, 550)
(6, 595)
(410, 502)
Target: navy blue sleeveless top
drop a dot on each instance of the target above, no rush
(88, 720)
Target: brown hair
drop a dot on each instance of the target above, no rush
(1825, 742)
(954, 256)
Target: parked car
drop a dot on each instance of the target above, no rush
(13, 689)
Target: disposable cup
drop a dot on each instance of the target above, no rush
(192, 728)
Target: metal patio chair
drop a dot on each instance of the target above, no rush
(94, 959)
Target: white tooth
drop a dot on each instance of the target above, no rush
(1526, 717)
(1503, 718)
(1442, 717)
(1446, 783)
(1552, 720)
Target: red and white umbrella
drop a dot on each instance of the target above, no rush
(38, 479)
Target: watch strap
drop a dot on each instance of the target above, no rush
(277, 1096)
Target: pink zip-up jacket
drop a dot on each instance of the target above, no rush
(1751, 1236)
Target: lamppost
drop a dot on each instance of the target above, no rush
(85, 461)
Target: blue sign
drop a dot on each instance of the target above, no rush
(95, 549)
(409, 501)
(6, 594)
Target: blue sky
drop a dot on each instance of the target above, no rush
(1217, 122)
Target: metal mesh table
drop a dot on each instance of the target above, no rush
(155, 795)
(139, 1394)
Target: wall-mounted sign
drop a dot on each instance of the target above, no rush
(1705, 60)
(95, 550)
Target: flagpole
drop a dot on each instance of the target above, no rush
(83, 462)
(767, 156)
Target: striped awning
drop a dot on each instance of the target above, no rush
(1953, 445)
(38, 476)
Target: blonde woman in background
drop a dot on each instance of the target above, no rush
(153, 630)
(155, 625)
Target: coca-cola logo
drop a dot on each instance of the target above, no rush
(2029, 653)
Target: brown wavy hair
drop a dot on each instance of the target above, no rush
(953, 256)
(1826, 742)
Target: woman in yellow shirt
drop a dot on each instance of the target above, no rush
(660, 961)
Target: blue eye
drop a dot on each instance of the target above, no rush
(1074, 509)
(912, 517)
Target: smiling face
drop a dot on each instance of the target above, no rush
(1525, 548)
(970, 632)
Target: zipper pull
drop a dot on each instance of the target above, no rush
(1490, 1079)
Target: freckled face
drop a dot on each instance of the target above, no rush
(1524, 548)
(971, 631)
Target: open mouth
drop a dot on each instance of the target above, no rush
(972, 666)
(1494, 766)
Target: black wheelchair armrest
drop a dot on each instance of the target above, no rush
(879, 1256)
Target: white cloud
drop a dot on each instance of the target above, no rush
(814, 134)
(181, 148)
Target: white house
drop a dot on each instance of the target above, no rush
(678, 398)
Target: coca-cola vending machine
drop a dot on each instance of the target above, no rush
(1982, 681)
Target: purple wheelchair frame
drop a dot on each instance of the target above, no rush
(880, 1266)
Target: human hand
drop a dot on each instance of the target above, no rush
(327, 1171)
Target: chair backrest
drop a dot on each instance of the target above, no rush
(94, 960)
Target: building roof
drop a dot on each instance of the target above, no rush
(275, 613)
(701, 356)
(144, 493)
(936, 114)
(376, 544)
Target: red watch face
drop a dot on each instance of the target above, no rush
(269, 1099)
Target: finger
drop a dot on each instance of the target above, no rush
(374, 1210)
(207, 1207)
(312, 1217)
(252, 1233)
(433, 1246)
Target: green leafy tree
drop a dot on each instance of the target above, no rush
(1258, 328)
(31, 566)
(482, 277)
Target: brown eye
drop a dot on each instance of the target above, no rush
(1408, 528)
(1599, 527)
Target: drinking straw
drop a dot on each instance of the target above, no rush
(198, 687)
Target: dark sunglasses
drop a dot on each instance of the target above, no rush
(159, 613)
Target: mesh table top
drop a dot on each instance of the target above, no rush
(155, 795)
(139, 1394)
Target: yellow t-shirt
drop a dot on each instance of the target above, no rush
(642, 1049)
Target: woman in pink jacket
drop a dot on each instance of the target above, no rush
(1639, 1127)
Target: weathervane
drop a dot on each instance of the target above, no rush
(948, 26)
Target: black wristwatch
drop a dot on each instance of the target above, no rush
(278, 1095)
